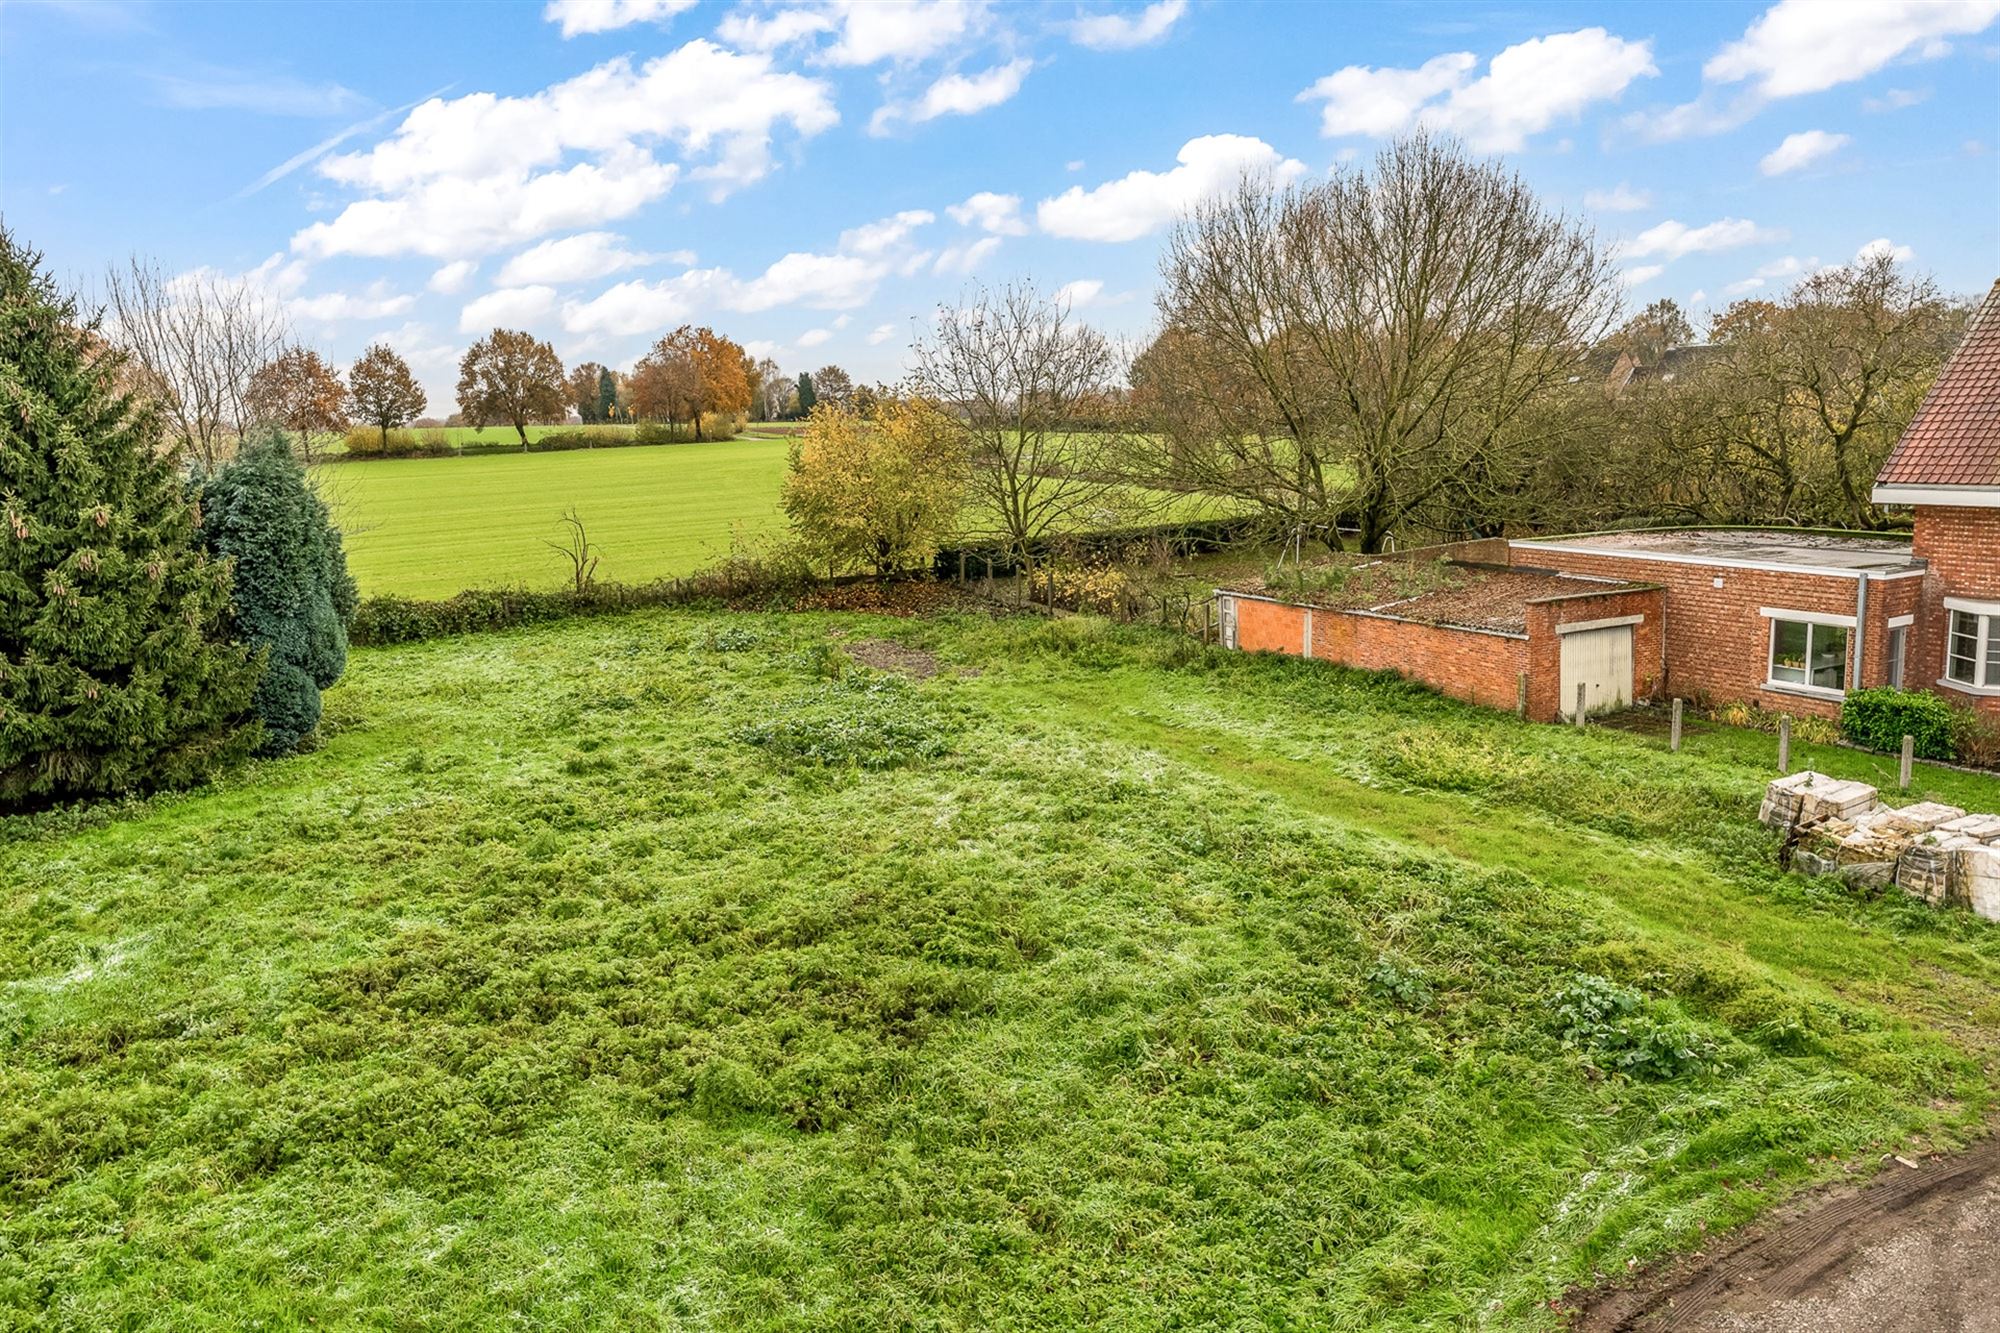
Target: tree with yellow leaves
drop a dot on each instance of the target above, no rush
(880, 494)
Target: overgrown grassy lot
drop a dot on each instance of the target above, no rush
(669, 971)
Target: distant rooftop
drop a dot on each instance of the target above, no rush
(1801, 550)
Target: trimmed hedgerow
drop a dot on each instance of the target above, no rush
(1880, 718)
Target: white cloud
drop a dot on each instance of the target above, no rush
(200, 87)
(821, 282)
(1743, 288)
(1620, 198)
(1121, 32)
(962, 259)
(473, 174)
(880, 334)
(588, 254)
(761, 348)
(1881, 246)
(1896, 99)
(813, 337)
(1643, 273)
(1671, 240)
(747, 31)
(583, 16)
(876, 237)
(872, 30)
(1785, 267)
(375, 302)
(509, 307)
(1808, 46)
(1144, 201)
(997, 213)
(1079, 293)
(1801, 149)
(1526, 88)
(453, 276)
(955, 95)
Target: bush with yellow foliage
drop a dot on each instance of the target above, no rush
(880, 493)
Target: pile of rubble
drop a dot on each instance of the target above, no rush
(1938, 853)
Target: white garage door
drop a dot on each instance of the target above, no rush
(1600, 660)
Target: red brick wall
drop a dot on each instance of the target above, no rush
(1270, 627)
(1545, 703)
(1963, 548)
(1717, 645)
(1465, 664)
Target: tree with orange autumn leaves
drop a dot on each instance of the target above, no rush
(689, 375)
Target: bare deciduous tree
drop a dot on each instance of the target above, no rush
(196, 339)
(1034, 397)
(1367, 346)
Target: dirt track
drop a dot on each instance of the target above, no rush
(1912, 1251)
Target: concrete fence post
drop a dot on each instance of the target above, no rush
(961, 564)
(1909, 760)
(1582, 693)
(1521, 694)
(1784, 744)
(1674, 735)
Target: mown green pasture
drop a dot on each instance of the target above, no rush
(671, 971)
(431, 527)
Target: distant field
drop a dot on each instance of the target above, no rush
(431, 527)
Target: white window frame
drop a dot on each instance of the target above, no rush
(1986, 636)
(1812, 620)
(1898, 649)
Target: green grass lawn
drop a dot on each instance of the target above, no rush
(639, 973)
(431, 527)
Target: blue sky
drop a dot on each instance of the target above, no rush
(814, 179)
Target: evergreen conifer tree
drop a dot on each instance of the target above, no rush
(116, 668)
(292, 594)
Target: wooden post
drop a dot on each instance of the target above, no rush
(1784, 744)
(961, 564)
(1909, 760)
(1582, 692)
(1674, 736)
(989, 571)
(1521, 695)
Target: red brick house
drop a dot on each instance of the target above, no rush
(1947, 466)
(1785, 619)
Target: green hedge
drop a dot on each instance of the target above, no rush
(1879, 719)
(385, 620)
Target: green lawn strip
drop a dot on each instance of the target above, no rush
(542, 994)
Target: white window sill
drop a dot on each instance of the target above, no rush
(1806, 691)
(1977, 691)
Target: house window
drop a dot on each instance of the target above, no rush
(1899, 646)
(1972, 650)
(1809, 653)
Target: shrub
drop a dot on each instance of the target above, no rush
(1610, 1022)
(372, 442)
(1976, 739)
(292, 594)
(116, 668)
(1879, 719)
(1807, 727)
